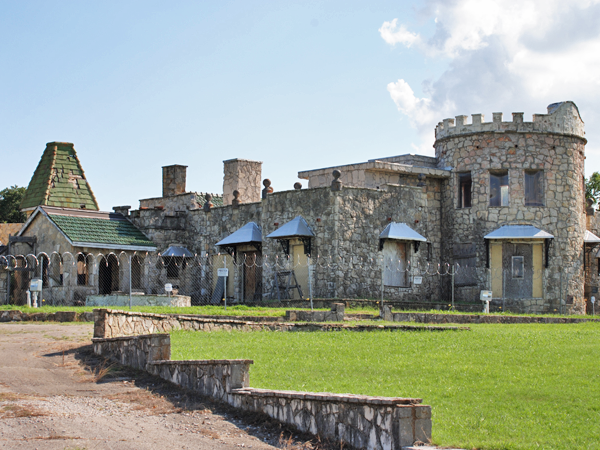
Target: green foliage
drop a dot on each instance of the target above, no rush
(592, 187)
(10, 204)
(494, 387)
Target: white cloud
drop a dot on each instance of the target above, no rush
(394, 36)
(509, 55)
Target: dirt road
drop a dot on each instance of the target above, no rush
(54, 394)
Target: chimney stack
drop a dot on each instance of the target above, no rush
(173, 180)
(241, 175)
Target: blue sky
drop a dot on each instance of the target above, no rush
(136, 85)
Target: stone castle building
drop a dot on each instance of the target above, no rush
(501, 207)
(502, 203)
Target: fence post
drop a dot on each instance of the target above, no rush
(453, 273)
(130, 302)
(310, 281)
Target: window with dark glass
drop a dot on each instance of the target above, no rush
(464, 190)
(499, 188)
(534, 188)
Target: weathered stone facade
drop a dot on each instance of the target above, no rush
(484, 176)
(358, 421)
(174, 180)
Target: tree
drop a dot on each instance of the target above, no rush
(10, 205)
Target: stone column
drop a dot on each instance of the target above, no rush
(244, 176)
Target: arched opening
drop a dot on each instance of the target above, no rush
(108, 275)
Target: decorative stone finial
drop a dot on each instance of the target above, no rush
(208, 203)
(268, 189)
(236, 201)
(336, 184)
(297, 185)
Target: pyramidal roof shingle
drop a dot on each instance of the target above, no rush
(59, 180)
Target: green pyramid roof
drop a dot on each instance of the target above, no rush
(59, 180)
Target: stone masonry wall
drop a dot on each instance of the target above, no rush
(113, 323)
(173, 180)
(244, 176)
(553, 143)
(359, 421)
(346, 224)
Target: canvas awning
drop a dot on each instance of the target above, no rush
(518, 232)
(401, 232)
(295, 228)
(178, 251)
(248, 234)
(591, 238)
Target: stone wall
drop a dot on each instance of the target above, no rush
(244, 176)
(346, 223)
(138, 300)
(358, 421)
(552, 143)
(114, 323)
(335, 315)
(59, 316)
(388, 315)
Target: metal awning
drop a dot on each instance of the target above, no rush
(590, 238)
(177, 251)
(296, 228)
(401, 232)
(248, 234)
(518, 232)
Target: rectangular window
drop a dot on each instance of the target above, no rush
(464, 190)
(534, 188)
(499, 188)
(518, 267)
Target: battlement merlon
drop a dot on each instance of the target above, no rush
(562, 118)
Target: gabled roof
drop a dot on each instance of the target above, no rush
(59, 180)
(96, 229)
(590, 238)
(249, 233)
(296, 227)
(402, 232)
(518, 232)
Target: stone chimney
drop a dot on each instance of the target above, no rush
(173, 180)
(244, 176)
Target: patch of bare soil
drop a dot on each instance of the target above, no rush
(56, 394)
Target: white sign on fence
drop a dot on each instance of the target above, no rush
(223, 272)
(418, 280)
(485, 296)
(36, 285)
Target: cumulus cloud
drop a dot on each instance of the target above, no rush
(509, 55)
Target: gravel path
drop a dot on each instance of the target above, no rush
(54, 394)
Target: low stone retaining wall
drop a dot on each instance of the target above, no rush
(359, 421)
(110, 323)
(335, 315)
(59, 316)
(390, 316)
(138, 300)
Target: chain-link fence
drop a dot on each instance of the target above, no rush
(251, 278)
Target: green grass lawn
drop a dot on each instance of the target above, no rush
(494, 387)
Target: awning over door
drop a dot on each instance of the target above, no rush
(178, 251)
(400, 232)
(248, 234)
(591, 238)
(518, 232)
(295, 228)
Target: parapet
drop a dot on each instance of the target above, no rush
(562, 118)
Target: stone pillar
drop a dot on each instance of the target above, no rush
(244, 176)
(173, 180)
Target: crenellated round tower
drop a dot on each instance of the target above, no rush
(514, 207)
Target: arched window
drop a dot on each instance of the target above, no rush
(82, 270)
